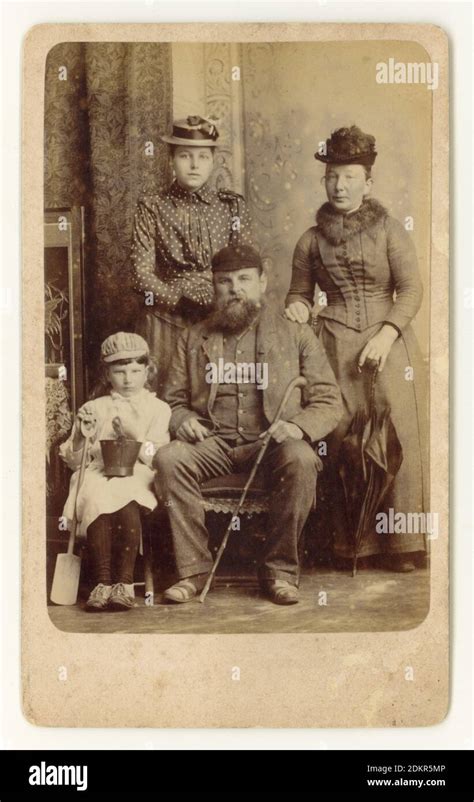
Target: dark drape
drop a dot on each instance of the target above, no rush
(105, 106)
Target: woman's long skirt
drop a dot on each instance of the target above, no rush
(402, 386)
(161, 330)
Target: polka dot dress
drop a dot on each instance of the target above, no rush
(175, 235)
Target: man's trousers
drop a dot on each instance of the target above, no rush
(290, 469)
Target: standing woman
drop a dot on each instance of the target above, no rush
(175, 235)
(364, 263)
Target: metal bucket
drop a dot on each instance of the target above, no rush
(119, 456)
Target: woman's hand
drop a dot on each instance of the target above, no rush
(378, 348)
(197, 289)
(298, 312)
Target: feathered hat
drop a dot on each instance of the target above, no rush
(349, 146)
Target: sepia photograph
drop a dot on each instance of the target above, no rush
(235, 305)
(237, 296)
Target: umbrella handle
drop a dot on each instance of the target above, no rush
(375, 372)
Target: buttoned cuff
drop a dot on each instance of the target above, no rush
(291, 299)
(389, 323)
(306, 436)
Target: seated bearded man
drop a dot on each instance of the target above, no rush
(219, 420)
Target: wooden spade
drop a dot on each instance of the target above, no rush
(68, 565)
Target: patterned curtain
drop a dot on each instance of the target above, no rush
(105, 106)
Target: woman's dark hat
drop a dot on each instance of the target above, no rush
(349, 146)
(193, 131)
(237, 257)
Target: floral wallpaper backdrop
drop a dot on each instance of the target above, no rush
(294, 96)
(119, 96)
(103, 103)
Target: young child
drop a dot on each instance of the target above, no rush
(108, 509)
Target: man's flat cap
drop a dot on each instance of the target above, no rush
(236, 258)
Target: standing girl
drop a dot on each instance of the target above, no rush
(108, 509)
(175, 235)
(364, 262)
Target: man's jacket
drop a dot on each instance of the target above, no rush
(290, 350)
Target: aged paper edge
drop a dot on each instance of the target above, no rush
(287, 680)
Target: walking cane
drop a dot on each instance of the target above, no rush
(299, 381)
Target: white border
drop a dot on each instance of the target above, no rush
(456, 731)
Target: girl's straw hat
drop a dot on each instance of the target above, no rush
(194, 130)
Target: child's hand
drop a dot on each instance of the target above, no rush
(85, 420)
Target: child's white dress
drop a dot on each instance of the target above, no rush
(148, 418)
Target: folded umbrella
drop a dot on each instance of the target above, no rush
(370, 458)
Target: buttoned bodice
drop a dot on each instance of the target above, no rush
(365, 275)
(350, 290)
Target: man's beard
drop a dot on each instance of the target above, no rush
(234, 316)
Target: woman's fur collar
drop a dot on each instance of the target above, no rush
(337, 227)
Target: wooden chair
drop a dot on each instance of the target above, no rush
(222, 493)
(219, 495)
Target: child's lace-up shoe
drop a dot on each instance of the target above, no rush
(122, 597)
(99, 598)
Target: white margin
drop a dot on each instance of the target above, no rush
(456, 731)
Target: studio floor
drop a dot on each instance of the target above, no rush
(373, 601)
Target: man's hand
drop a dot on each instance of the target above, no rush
(298, 312)
(192, 431)
(378, 347)
(283, 430)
